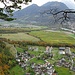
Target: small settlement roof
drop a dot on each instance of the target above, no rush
(47, 48)
(61, 48)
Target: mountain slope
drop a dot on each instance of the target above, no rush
(33, 9)
(31, 14)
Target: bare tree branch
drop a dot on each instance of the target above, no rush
(9, 5)
(62, 15)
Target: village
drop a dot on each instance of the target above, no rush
(65, 59)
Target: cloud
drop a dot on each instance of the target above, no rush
(69, 3)
(41, 2)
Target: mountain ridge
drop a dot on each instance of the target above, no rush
(31, 14)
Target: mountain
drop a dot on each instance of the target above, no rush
(31, 14)
(30, 10)
(55, 4)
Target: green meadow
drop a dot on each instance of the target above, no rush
(54, 37)
(64, 71)
(49, 36)
(17, 70)
(19, 37)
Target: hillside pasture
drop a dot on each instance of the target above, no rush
(54, 37)
(19, 37)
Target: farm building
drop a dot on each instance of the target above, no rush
(48, 49)
(61, 50)
(64, 50)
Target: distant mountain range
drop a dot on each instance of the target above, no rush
(31, 14)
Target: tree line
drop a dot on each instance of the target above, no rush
(7, 61)
(40, 43)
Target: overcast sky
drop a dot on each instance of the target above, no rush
(69, 3)
(41, 2)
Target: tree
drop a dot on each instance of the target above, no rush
(61, 15)
(64, 17)
(9, 6)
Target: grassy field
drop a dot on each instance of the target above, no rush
(28, 28)
(72, 35)
(47, 36)
(35, 60)
(54, 37)
(19, 37)
(17, 70)
(64, 71)
(19, 49)
(41, 49)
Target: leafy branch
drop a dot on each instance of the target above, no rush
(9, 6)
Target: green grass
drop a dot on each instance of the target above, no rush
(19, 37)
(34, 53)
(22, 29)
(37, 53)
(35, 60)
(54, 37)
(17, 70)
(64, 71)
(19, 49)
(11, 48)
(56, 56)
(42, 49)
(72, 35)
(73, 49)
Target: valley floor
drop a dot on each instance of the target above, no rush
(38, 51)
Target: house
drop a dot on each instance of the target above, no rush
(73, 54)
(63, 60)
(42, 73)
(27, 74)
(61, 50)
(29, 48)
(18, 60)
(36, 49)
(54, 74)
(73, 69)
(33, 65)
(48, 49)
(65, 50)
(33, 48)
(68, 51)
